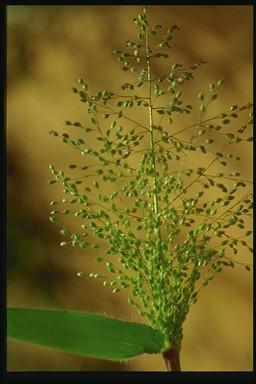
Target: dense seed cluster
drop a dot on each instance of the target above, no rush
(141, 192)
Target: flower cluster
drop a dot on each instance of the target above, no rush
(142, 196)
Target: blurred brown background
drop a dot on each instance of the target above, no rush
(49, 48)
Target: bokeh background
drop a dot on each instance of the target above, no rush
(48, 49)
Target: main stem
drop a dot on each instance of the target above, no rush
(171, 356)
(152, 144)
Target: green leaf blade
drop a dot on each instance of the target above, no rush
(83, 333)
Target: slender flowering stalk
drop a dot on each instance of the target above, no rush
(141, 190)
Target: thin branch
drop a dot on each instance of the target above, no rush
(198, 177)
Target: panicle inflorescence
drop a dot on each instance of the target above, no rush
(151, 200)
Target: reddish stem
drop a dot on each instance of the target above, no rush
(172, 360)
